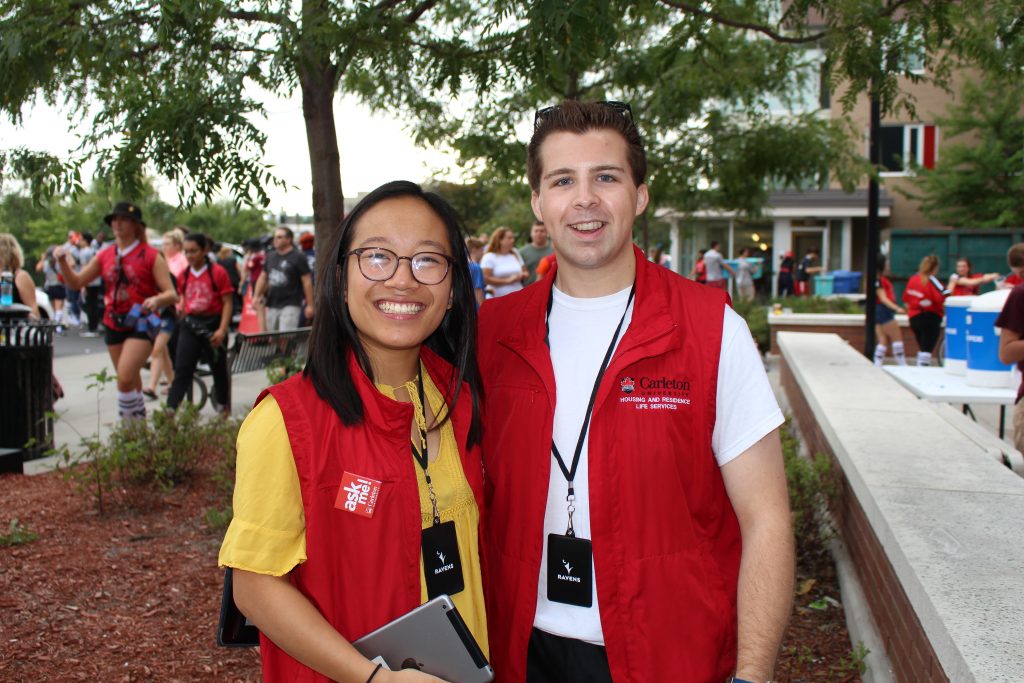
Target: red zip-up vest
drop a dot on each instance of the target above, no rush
(360, 573)
(666, 540)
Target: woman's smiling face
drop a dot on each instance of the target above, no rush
(394, 317)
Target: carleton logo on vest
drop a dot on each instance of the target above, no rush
(444, 567)
(567, 576)
(655, 393)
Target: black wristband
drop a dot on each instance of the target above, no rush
(374, 673)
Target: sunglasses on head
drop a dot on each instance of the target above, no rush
(616, 106)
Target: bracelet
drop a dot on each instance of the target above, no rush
(374, 673)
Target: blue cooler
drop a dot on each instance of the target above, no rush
(845, 281)
(823, 285)
(956, 334)
(983, 366)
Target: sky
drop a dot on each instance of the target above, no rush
(375, 148)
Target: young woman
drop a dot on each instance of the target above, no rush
(887, 330)
(745, 276)
(160, 362)
(137, 282)
(206, 305)
(924, 296)
(965, 283)
(54, 288)
(699, 272)
(12, 259)
(503, 267)
(388, 401)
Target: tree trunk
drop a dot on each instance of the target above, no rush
(324, 159)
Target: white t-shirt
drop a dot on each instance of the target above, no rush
(713, 265)
(503, 265)
(580, 331)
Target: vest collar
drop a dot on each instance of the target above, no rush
(394, 417)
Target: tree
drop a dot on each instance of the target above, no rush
(171, 83)
(700, 93)
(979, 179)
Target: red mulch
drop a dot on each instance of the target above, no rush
(135, 596)
(127, 597)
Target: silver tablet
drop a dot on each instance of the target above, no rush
(432, 638)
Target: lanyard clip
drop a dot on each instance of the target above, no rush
(570, 499)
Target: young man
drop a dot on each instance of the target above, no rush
(1011, 335)
(284, 284)
(536, 250)
(714, 264)
(804, 272)
(638, 527)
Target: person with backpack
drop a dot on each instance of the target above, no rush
(206, 305)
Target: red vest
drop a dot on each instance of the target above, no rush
(135, 285)
(360, 573)
(665, 537)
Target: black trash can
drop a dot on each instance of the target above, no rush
(26, 387)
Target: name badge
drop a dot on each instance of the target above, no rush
(570, 564)
(357, 494)
(442, 566)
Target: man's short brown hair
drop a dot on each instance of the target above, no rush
(1015, 256)
(572, 116)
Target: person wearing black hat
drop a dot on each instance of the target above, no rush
(137, 283)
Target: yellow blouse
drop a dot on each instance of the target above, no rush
(267, 534)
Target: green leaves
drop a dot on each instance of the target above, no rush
(978, 180)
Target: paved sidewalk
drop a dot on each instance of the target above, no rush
(80, 406)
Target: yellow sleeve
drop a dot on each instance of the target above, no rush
(267, 534)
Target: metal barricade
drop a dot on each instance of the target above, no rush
(26, 388)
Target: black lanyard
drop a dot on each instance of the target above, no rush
(423, 457)
(570, 472)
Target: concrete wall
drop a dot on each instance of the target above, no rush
(848, 326)
(931, 519)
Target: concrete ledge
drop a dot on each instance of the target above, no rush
(931, 518)
(849, 326)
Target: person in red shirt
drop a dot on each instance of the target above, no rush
(965, 283)
(206, 306)
(1014, 259)
(924, 296)
(887, 330)
(137, 282)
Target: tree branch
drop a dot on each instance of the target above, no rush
(276, 18)
(418, 11)
(759, 28)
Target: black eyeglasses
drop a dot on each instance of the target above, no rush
(616, 106)
(379, 264)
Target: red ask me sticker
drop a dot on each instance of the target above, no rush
(357, 494)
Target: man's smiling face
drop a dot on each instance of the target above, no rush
(587, 201)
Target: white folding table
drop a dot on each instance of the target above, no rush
(935, 384)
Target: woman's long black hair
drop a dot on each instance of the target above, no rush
(334, 335)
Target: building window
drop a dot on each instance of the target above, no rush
(905, 146)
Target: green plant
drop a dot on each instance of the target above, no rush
(87, 471)
(218, 519)
(813, 487)
(855, 662)
(17, 534)
(146, 457)
(756, 312)
(283, 367)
